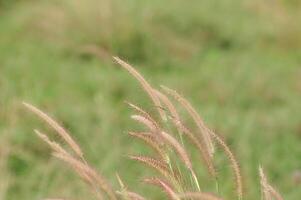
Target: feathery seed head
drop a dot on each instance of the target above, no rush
(58, 128)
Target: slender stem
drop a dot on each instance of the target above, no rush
(216, 185)
(181, 138)
(195, 180)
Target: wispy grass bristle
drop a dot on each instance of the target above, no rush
(183, 155)
(83, 171)
(143, 113)
(264, 185)
(234, 165)
(172, 195)
(146, 86)
(125, 193)
(159, 165)
(88, 174)
(151, 141)
(145, 121)
(182, 129)
(268, 192)
(168, 104)
(58, 128)
(196, 117)
(56, 147)
(196, 141)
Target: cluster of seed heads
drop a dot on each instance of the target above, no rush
(163, 142)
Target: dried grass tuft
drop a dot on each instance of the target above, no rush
(172, 183)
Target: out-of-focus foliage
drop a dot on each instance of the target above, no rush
(238, 61)
(179, 30)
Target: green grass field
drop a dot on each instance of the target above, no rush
(238, 63)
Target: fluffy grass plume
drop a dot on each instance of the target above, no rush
(268, 192)
(169, 153)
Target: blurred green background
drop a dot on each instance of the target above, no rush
(239, 62)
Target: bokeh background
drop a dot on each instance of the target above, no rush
(238, 62)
